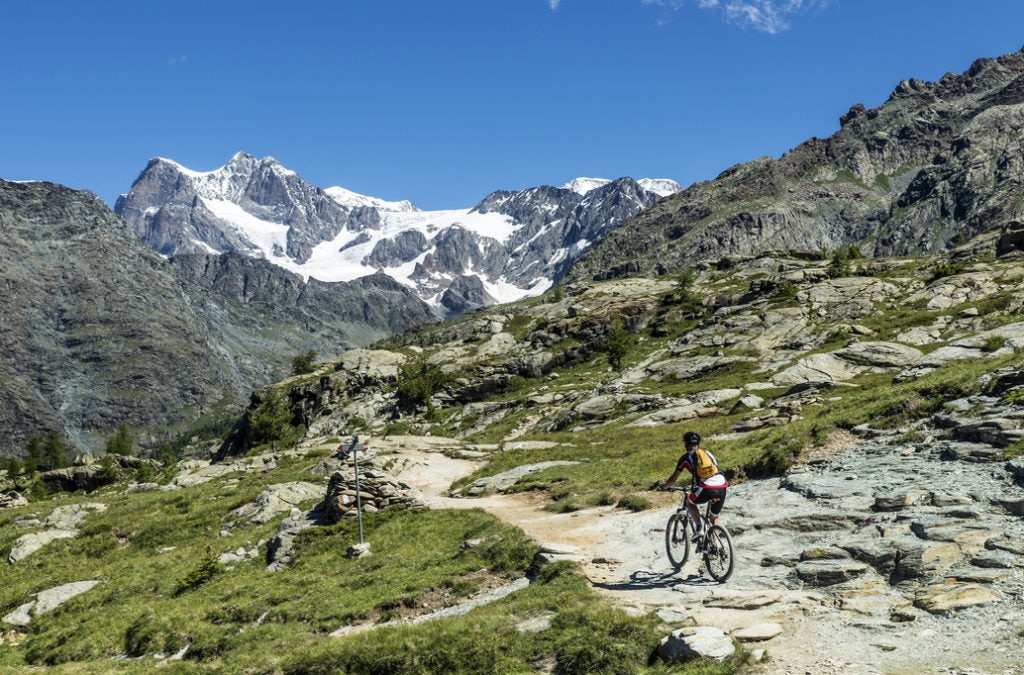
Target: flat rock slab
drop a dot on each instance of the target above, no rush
(758, 632)
(47, 601)
(829, 572)
(953, 596)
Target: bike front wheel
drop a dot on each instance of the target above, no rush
(718, 553)
(677, 540)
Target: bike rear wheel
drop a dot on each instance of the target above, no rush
(677, 540)
(718, 553)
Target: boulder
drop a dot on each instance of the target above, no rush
(879, 354)
(695, 642)
(11, 500)
(758, 632)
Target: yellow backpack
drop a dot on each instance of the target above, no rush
(705, 466)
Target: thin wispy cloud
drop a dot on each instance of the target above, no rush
(767, 16)
(554, 3)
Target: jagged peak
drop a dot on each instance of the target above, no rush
(583, 185)
(662, 187)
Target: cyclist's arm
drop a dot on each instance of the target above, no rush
(672, 479)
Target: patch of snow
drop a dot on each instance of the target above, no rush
(264, 235)
(348, 198)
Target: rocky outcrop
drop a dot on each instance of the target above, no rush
(377, 490)
(275, 500)
(780, 334)
(11, 500)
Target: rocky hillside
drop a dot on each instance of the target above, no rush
(97, 329)
(938, 163)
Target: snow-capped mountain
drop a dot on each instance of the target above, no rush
(509, 246)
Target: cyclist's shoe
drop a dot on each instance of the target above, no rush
(697, 534)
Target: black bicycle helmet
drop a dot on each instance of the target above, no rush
(691, 438)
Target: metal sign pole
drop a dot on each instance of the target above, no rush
(359, 500)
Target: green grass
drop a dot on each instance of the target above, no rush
(243, 619)
(586, 635)
(157, 602)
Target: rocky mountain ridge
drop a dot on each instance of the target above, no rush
(510, 245)
(938, 163)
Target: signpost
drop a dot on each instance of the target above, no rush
(364, 547)
(359, 499)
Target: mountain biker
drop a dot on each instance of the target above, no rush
(702, 490)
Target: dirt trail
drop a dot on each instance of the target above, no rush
(622, 554)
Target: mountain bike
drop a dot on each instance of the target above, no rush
(713, 542)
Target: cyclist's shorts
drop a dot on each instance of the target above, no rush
(714, 495)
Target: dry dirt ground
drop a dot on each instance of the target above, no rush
(622, 553)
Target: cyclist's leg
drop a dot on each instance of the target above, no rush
(717, 498)
(692, 500)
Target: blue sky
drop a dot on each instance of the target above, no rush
(442, 102)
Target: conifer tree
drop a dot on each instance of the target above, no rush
(55, 454)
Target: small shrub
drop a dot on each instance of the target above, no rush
(303, 364)
(1014, 449)
(603, 498)
(418, 382)
(207, 568)
(109, 471)
(563, 506)
(399, 428)
(634, 503)
(785, 291)
(993, 343)
(150, 634)
(1014, 397)
(839, 266)
(618, 345)
(942, 270)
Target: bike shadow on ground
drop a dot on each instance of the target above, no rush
(648, 579)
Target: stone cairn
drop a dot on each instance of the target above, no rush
(378, 490)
